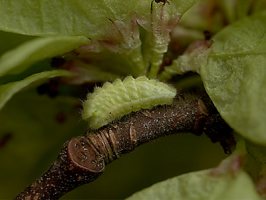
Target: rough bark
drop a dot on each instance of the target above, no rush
(83, 159)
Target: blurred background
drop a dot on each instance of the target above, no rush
(36, 122)
(33, 128)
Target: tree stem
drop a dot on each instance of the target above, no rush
(83, 159)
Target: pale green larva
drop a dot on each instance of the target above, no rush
(114, 100)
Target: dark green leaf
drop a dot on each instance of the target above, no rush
(9, 41)
(33, 129)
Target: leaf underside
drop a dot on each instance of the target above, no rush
(235, 76)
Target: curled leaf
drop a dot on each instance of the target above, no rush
(9, 89)
(189, 61)
(119, 98)
(23, 56)
(164, 18)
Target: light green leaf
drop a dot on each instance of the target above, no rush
(197, 18)
(72, 17)
(115, 25)
(235, 10)
(201, 186)
(9, 40)
(164, 18)
(235, 76)
(189, 61)
(19, 59)
(224, 182)
(119, 98)
(123, 57)
(9, 89)
(75, 17)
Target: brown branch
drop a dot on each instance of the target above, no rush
(83, 159)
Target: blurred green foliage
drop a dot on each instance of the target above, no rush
(33, 127)
(37, 126)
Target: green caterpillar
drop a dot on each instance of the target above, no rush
(119, 98)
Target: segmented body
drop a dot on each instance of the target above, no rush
(119, 98)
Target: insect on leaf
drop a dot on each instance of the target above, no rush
(119, 98)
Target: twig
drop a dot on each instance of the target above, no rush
(83, 159)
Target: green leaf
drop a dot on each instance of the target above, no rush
(236, 10)
(197, 18)
(11, 40)
(112, 23)
(9, 89)
(121, 57)
(189, 61)
(201, 186)
(75, 17)
(164, 18)
(235, 76)
(115, 100)
(72, 17)
(19, 59)
(224, 182)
